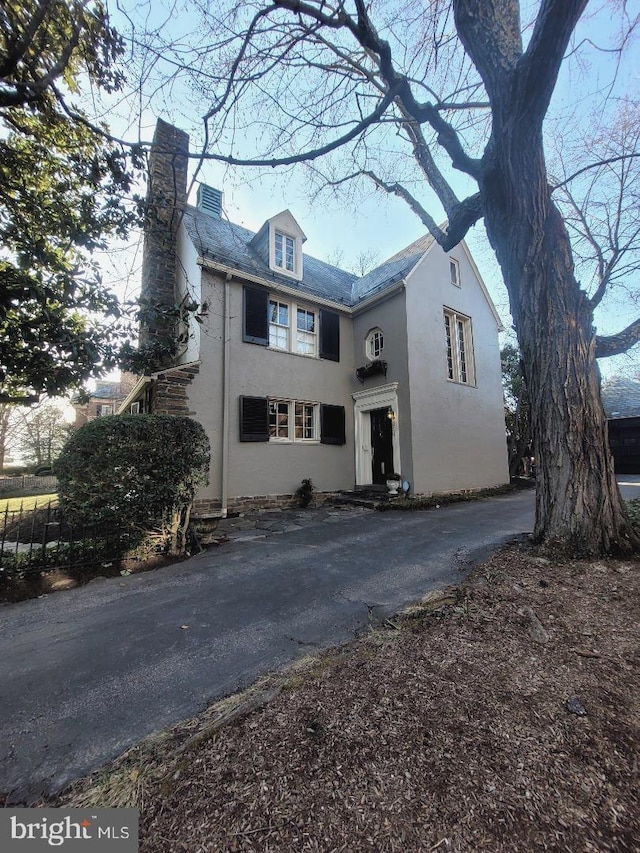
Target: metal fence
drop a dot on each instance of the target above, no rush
(40, 539)
(28, 484)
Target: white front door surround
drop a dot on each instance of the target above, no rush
(382, 396)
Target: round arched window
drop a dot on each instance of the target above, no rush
(374, 344)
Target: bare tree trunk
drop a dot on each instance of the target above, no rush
(177, 530)
(578, 504)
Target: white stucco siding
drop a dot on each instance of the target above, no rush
(458, 432)
(390, 316)
(205, 393)
(268, 468)
(264, 468)
(188, 289)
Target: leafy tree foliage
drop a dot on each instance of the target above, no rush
(62, 186)
(138, 472)
(50, 41)
(43, 432)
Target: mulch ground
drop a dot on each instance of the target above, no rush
(500, 716)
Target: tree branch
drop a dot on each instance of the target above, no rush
(367, 37)
(537, 70)
(491, 37)
(620, 343)
(432, 173)
(402, 192)
(596, 165)
(305, 156)
(463, 215)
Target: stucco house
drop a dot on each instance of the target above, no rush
(105, 399)
(298, 369)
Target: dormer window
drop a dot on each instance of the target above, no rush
(285, 248)
(279, 244)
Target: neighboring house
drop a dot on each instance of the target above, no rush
(621, 400)
(106, 399)
(298, 369)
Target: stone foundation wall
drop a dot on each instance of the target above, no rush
(212, 506)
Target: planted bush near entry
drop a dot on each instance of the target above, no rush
(134, 471)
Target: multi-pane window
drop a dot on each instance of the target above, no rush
(278, 324)
(459, 347)
(290, 420)
(305, 421)
(279, 419)
(303, 338)
(374, 343)
(284, 252)
(306, 332)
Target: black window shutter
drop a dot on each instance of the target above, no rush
(254, 419)
(255, 329)
(332, 425)
(329, 335)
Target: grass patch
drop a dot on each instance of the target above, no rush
(28, 503)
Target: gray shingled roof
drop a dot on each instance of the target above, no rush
(621, 397)
(218, 239)
(394, 269)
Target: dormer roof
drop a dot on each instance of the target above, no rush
(282, 228)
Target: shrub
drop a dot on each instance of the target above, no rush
(304, 493)
(633, 511)
(139, 472)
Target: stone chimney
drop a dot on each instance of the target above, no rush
(166, 200)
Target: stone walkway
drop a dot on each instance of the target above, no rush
(256, 524)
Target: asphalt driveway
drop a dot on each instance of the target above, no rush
(86, 673)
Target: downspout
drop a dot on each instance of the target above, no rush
(226, 366)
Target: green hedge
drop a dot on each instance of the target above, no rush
(135, 471)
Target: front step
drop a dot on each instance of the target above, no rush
(372, 488)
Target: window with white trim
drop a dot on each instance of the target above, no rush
(293, 327)
(104, 409)
(285, 251)
(278, 324)
(293, 420)
(459, 347)
(374, 344)
(454, 272)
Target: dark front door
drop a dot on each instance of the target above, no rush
(381, 444)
